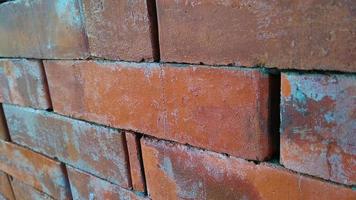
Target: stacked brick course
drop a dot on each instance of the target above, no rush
(184, 99)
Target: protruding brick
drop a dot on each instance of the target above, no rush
(4, 135)
(34, 169)
(5, 187)
(23, 82)
(92, 148)
(136, 168)
(86, 186)
(221, 109)
(316, 34)
(42, 29)
(119, 29)
(179, 172)
(318, 126)
(26, 192)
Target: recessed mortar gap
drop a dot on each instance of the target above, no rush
(153, 17)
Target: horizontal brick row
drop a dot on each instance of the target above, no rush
(176, 171)
(23, 83)
(35, 170)
(221, 109)
(5, 187)
(26, 192)
(318, 125)
(95, 149)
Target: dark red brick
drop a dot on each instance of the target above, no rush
(92, 148)
(221, 109)
(86, 186)
(42, 29)
(136, 168)
(5, 187)
(179, 172)
(119, 29)
(318, 125)
(23, 82)
(40, 172)
(26, 192)
(316, 34)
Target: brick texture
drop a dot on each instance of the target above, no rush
(316, 34)
(180, 172)
(34, 169)
(23, 82)
(119, 29)
(220, 109)
(86, 186)
(318, 125)
(5, 187)
(42, 29)
(95, 149)
(136, 168)
(26, 192)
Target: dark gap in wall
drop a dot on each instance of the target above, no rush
(127, 158)
(4, 121)
(153, 17)
(46, 86)
(138, 138)
(66, 177)
(4, 1)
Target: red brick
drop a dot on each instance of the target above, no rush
(86, 186)
(26, 192)
(317, 34)
(119, 29)
(179, 172)
(318, 125)
(23, 82)
(5, 187)
(136, 168)
(95, 149)
(34, 169)
(221, 109)
(4, 135)
(42, 29)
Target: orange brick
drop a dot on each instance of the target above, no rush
(23, 82)
(119, 29)
(42, 29)
(96, 149)
(26, 192)
(136, 168)
(318, 129)
(316, 34)
(221, 109)
(5, 187)
(34, 169)
(179, 172)
(86, 186)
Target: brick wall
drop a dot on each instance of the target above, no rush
(184, 99)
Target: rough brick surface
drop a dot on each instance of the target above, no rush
(23, 83)
(4, 135)
(136, 168)
(316, 34)
(119, 29)
(42, 29)
(95, 149)
(86, 186)
(26, 192)
(34, 169)
(221, 109)
(180, 172)
(5, 187)
(318, 125)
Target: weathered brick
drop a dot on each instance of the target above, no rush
(318, 125)
(86, 186)
(222, 109)
(5, 187)
(34, 169)
(136, 168)
(23, 82)
(26, 192)
(4, 135)
(42, 29)
(179, 172)
(92, 148)
(317, 34)
(119, 29)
